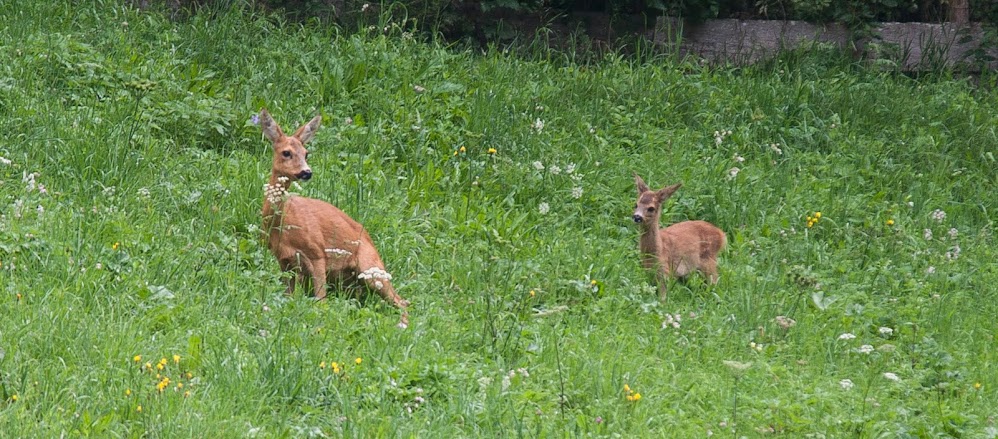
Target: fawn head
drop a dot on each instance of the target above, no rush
(648, 208)
(289, 151)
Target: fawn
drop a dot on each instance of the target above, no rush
(677, 250)
(312, 237)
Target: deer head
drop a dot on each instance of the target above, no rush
(648, 208)
(290, 154)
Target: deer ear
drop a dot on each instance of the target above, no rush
(642, 187)
(270, 128)
(664, 193)
(307, 131)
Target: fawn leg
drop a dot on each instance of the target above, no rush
(287, 266)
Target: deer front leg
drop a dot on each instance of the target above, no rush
(318, 271)
(296, 278)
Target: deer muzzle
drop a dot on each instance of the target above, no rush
(304, 175)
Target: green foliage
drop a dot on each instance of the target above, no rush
(498, 190)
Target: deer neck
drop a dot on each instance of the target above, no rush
(650, 243)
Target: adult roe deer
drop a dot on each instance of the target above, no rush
(311, 237)
(677, 250)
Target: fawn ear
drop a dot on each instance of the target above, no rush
(666, 192)
(307, 131)
(270, 128)
(642, 187)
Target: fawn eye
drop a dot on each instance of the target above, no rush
(286, 154)
(651, 209)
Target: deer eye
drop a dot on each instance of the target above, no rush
(651, 209)
(286, 154)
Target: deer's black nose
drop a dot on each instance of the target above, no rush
(305, 175)
(638, 218)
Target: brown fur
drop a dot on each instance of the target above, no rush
(677, 250)
(311, 237)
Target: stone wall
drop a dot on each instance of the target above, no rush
(910, 46)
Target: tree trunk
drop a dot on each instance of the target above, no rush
(959, 11)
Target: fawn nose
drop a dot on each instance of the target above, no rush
(305, 175)
(638, 218)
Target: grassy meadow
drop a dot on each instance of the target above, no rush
(857, 297)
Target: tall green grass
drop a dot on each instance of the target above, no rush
(145, 242)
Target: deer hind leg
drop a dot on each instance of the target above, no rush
(709, 268)
(371, 271)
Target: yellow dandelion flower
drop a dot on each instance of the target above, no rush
(180, 385)
(187, 394)
(817, 215)
(176, 359)
(627, 388)
(19, 297)
(358, 360)
(637, 397)
(890, 222)
(593, 282)
(322, 365)
(137, 358)
(147, 366)
(115, 246)
(138, 409)
(532, 293)
(462, 149)
(128, 392)
(977, 385)
(190, 375)
(455, 153)
(14, 397)
(492, 150)
(160, 366)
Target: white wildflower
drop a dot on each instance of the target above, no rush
(577, 192)
(338, 252)
(375, 273)
(523, 372)
(938, 215)
(555, 169)
(954, 253)
(538, 125)
(538, 165)
(570, 168)
(865, 349)
(930, 270)
(885, 330)
(5, 161)
(379, 285)
(927, 234)
(418, 89)
(143, 192)
(543, 208)
(953, 233)
(785, 322)
(891, 376)
(365, 7)
(506, 381)
(846, 384)
(737, 158)
(776, 148)
(40, 209)
(733, 172)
